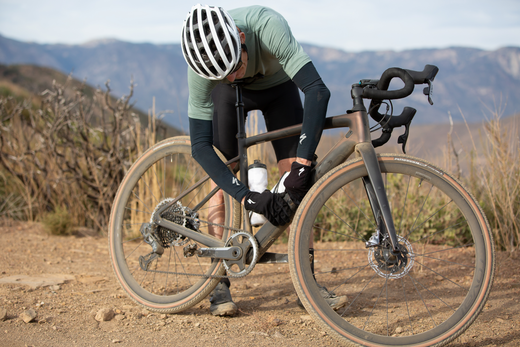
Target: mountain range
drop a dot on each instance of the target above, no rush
(471, 82)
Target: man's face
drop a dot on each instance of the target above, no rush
(241, 72)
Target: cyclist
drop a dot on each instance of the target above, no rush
(253, 44)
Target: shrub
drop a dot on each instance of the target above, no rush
(71, 151)
(58, 222)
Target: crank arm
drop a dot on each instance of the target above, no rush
(228, 253)
(374, 174)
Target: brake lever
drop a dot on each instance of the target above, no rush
(429, 91)
(404, 137)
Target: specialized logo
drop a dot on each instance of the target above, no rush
(249, 201)
(301, 171)
(302, 137)
(235, 181)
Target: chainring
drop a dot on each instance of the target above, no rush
(246, 242)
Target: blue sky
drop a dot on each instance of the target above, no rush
(349, 25)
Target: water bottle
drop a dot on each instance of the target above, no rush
(257, 178)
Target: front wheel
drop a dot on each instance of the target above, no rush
(172, 282)
(426, 297)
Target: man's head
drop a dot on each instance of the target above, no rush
(211, 43)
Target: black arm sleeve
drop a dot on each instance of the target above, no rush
(201, 135)
(317, 97)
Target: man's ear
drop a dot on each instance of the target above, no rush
(242, 37)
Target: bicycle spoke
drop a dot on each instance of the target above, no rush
(404, 203)
(443, 260)
(337, 233)
(407, 307)
(358, 207)
(444, 277)
(437, 232)
(371, 312)
(422, 299)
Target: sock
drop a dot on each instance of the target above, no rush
(228, 283)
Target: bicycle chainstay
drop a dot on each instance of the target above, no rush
(152, 255)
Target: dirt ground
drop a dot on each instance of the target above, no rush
(65, 312)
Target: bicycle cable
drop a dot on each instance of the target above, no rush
(388, 107)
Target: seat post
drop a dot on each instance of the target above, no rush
(241, 135)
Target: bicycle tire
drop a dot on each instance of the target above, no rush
(427, 304)
(172, 283)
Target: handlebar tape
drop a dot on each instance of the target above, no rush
(382, 93)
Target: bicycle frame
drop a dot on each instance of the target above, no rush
(356, 140)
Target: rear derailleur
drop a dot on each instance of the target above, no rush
(159, 237)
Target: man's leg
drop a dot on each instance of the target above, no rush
(224, 139)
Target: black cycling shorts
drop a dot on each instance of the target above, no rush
(281, 106)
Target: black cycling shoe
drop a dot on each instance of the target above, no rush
(221, 302)
(334, 301)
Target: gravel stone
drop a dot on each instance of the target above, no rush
(104, 315)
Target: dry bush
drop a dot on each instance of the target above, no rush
(495, 179)
(70, 153)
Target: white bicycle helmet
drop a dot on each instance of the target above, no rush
(210, 42)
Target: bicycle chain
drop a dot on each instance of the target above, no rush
(235, 230)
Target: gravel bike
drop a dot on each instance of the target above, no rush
(404, 240)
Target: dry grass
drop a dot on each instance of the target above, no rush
(495, 178)
(69, 155)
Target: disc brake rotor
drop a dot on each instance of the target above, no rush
(387, 264)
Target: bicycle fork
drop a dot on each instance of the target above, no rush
(376, 192)
(358, 139)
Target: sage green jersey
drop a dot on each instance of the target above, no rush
(272, 52)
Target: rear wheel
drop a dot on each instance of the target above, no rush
(172, 282)
(427, 297)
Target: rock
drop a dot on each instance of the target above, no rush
(119, 317)
(398, 330)
(28, 315)
(274, 293)
(260, 333)
(35, 282)
(276, 322)
(3, 314)
(278, 335)
(104, 315)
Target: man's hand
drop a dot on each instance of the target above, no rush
(298, 183)
(272, 206)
